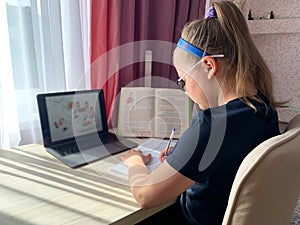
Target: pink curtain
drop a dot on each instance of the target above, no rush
(116, 23)
(105, 35)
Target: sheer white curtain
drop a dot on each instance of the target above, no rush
(44, 48)
(9, 127)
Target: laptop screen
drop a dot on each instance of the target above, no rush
(67, 115)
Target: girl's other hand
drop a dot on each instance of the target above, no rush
(135, 157)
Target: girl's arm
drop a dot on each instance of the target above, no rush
(152, 189)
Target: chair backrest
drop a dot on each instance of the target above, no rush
(267, 185)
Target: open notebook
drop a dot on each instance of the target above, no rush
(153, 146)
(74, 127)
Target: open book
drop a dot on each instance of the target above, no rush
(152, 146)
(153, 112)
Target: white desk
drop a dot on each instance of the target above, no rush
(36, 188)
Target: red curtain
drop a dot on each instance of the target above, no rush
(115, 23)
(105, 35)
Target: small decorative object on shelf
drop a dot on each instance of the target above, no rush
(250, 17)
(271, 15)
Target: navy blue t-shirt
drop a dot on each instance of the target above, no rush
(211, 150)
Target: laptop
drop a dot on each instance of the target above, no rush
(74, 127)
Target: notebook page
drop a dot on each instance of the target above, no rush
(152, 146)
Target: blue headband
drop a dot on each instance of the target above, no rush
(191, 48)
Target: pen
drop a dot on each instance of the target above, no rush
(169, 142)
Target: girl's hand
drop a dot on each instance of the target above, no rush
(162, 154)
(135, 158)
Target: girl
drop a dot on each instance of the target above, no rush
(221, 70)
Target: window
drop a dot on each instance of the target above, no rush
(25, 51)
(41, 52)
(22, 45)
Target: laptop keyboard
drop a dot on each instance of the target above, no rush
(67, 149)
(108, 138)
(72, 148)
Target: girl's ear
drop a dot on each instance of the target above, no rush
(211, 65)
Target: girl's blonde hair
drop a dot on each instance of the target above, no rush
(228, 34)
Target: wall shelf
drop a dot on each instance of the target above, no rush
(274, 26)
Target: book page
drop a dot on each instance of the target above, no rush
(152, 146)
(136, 112)
(172, 110)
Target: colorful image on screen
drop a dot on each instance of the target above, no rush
(73, 115)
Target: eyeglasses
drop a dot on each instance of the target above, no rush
(181, 83)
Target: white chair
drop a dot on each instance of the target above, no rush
(267, 185)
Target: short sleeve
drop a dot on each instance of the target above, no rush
(188, 151)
